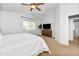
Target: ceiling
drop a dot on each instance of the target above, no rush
(17, 7)
(20, 8)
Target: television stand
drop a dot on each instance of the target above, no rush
(47, 32)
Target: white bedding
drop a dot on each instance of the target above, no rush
(22, 44)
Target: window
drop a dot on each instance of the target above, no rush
(29, 25)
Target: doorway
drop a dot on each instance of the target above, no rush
(74, 29)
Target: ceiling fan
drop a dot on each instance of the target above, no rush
(33, 6)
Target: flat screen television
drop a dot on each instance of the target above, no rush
(46, 26)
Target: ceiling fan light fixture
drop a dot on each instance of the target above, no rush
(33, 6)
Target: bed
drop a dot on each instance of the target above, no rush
(22, 44)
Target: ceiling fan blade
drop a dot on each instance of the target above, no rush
(38, 8)
(31, 9)
(40, 3)
(25, 4)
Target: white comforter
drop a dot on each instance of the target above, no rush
(22, 44)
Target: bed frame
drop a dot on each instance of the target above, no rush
(44, 53)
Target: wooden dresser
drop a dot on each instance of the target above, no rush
(47, 32)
